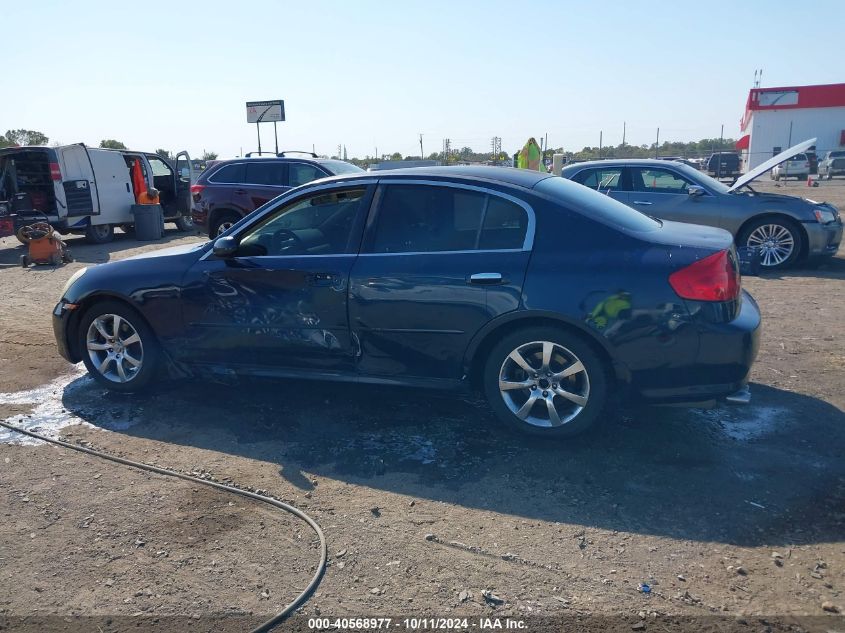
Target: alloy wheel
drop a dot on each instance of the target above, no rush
(224, 226)
(115, 348)
(544, 384)
(775, 241)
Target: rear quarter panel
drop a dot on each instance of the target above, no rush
(614, 287)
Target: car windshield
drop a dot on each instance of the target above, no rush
(701, 178)
(338, 167)
(596, 205)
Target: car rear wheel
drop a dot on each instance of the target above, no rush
(117, 346)
(223, 223)
(546, 381)
(778, 239)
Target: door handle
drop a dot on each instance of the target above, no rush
(485, 278)
(643, 202)
(323, 279)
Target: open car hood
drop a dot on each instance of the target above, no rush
(762, 168)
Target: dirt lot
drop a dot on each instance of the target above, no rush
(734, 512)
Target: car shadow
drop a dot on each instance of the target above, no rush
(11, 250)
(827, 268)
(770, 472)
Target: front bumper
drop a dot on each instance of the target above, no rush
(823, 240)
(61, 316)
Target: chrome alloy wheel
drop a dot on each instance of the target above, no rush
(114, 347)
(776, 242)
(544, 384)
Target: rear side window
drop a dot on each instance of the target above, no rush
(233, 174)
(261, 173)
(593, 204)
(301, 173)
(430, 219)
(607, 178)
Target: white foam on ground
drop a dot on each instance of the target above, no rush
(745, 422)
(49, 414)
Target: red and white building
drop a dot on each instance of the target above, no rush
(777, 118)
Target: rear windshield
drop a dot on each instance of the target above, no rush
(338, 167)
(595, 205)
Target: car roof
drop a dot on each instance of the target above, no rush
(505, 175)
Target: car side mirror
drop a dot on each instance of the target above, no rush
(225, 246)
(695, 191)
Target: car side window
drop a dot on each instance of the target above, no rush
(430, 219)
(160, 168)
(319, 224)
(229, 174)
(301, 173)
(659, 181)
(603, 179)
(266, 173)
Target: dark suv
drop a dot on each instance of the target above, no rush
(231, 189)
(723, 165)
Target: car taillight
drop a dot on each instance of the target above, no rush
(714, 278)
(55, 172)
(196, 190)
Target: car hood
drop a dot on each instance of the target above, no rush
(762, 168)
(168, 252)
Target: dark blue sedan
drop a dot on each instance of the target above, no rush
(547, 297)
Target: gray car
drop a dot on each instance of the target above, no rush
(786, 228)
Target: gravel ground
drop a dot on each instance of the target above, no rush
(429, 510)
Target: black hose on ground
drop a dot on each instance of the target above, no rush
(321, 568)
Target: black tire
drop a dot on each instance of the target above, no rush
(595, 376)
(99, 234)
(227, 217)
(184, 223)
(789, 225)
(149, 348)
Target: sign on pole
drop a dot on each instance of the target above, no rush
(265, 111)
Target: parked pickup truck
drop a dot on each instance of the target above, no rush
(90, 191)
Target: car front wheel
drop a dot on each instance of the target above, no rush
(118, 348)
(546, 381)
(779, 241)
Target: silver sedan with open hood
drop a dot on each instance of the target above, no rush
(787, 229)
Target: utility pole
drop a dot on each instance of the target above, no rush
(422, 153)
(338, 150)
(657, 143)
(496, 148)
(601, 139)
(624, 130)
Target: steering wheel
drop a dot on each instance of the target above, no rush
(285, 240)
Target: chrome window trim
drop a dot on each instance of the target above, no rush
(527, 243)
(465, 252)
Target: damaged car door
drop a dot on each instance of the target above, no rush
(273, 295)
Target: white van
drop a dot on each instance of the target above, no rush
(90, 191)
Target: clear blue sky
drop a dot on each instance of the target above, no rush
(367, 74)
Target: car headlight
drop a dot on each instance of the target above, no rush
(73, 279)
(824, 216)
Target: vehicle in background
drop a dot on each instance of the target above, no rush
(90, 190)
(231, 189)
(796, 167)
(434, 277)
(722, 165)
(787, 229)
(832, 164)
(678, 159)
